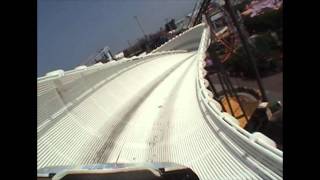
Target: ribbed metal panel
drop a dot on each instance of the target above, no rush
(148, 109)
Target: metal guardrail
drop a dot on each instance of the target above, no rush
(269, 157)
(59, 73)
(172, 43)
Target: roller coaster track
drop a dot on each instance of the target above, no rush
(150, 108)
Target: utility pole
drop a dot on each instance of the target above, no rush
(137, 20)
(146, 37)
(129, 43)
(245, 44)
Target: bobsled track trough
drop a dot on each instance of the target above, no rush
(150, 108)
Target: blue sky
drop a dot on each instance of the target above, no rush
(69, 31)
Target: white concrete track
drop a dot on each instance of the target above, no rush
(148, 109)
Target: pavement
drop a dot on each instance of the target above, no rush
(273, 85)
